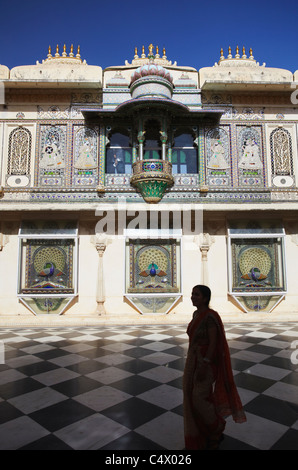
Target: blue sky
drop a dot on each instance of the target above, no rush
(192, 32)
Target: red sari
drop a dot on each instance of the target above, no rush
(210, 398)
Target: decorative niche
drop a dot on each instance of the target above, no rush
(153, 271)
(47, 266)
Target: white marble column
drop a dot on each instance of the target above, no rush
(100, 242)
(204, 241)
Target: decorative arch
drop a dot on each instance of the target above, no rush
(281, 152)
(19, 152)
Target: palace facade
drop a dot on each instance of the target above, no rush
(124, 187)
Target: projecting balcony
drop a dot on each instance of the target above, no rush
(152, 178)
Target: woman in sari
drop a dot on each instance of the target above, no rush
(210, 394)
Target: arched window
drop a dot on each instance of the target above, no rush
(152, 144)
(118, 152)
(184, 153)
(281, 152)
(19, 151)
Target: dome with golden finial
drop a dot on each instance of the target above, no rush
(61, 67)
(151, 69)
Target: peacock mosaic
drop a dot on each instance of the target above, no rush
(153, 266)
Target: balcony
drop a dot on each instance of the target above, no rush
(152, 178)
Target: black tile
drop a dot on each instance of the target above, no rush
(61, 414)
(85, 367)
(76, 386)
(289, 441)
(291, 378)
(272, 409)
(132, 441)
(133, 412)
(51, 354)
(8, 412)
(135, 385)
(19, 387)
(137, 366)
(252, 382)
(37, 368)
(49, 442)
(281, 362)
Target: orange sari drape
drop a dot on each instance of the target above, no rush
(208, 400)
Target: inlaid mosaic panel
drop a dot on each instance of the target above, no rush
(281, 152)
(85, 156)
(52, 155)
(218, 165)
(256, 265)
(49, 265)
(19, 152)
(153, 266)
(250, 156)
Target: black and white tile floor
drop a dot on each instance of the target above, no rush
(120, 388)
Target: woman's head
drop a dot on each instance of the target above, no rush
(200, 295)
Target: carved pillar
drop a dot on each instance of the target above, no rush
(100, 243)
(204, 241)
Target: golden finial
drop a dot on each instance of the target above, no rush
(230, 53)
(136, 53)
(221, 54)
(243, 53)
(164, 53)
(237, 53)
(71, 51)
(157, 52)
(78, 53)
(250, 54)
(57, 51)
(151, 49)
(143, 52)
(50, 53)
(64, 51)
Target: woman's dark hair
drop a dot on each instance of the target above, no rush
(205, 291)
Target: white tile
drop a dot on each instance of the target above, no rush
(21, 361)
(68, 360)
(20, 432)
(160, 358)
(156, 337)
(251, 356)
(166, 430)
(268, 372)
(246, 395)
(102, 398)
(10, 375)
(49, 339)
(109, 375)
(258, 432)
(158, 346)
(283, 391)
(162, 374)
(260, 334)
(121, 337)
(113, 359)
(55, 376)
(37, 348)
(274, 343)
(239, 344)
(36, 400)
(84, 338)
(117, 347)
(74, 348)
(165, 396)
(91, 433)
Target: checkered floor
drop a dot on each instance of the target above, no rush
(120, 388)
